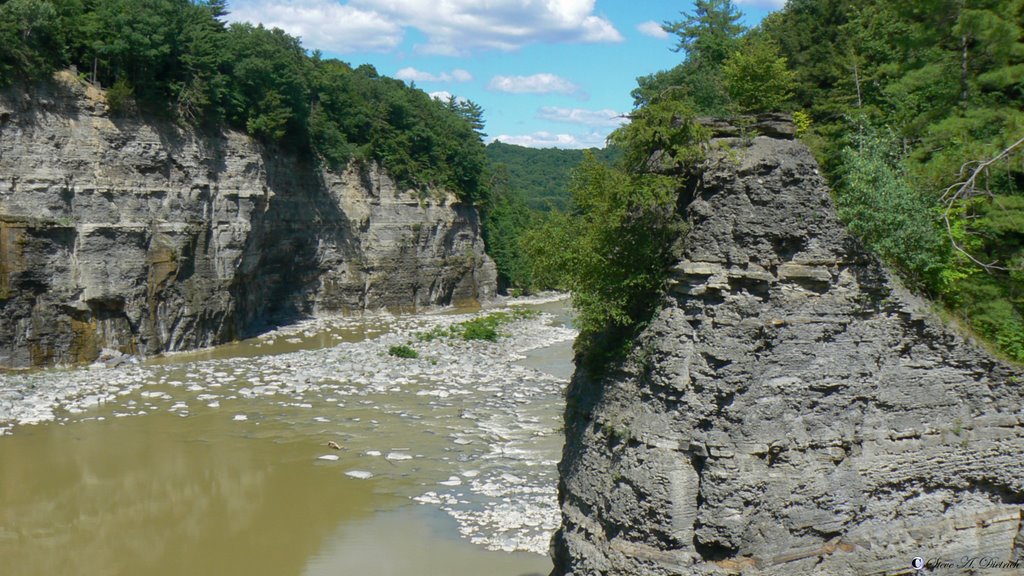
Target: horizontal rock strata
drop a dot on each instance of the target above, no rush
(789, 410)
(137, 235)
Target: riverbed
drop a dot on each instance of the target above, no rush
(217, 461)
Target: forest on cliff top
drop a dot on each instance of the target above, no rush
(914, 109)
(179, 60)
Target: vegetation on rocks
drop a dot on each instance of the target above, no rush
(917, 117)
(613, 249)
(484, 327)
(178, 58)
(914, 110)
(403, 351)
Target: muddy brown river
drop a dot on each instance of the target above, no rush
(216, 462)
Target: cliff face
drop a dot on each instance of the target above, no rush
(137, 235)
(790, 410)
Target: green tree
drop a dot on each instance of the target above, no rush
(27, 30)
(661, 137)
(199, 89)
(506, 218)
(710, 34)
(944, 79)
(612, 250)
(707, 37)
(541, 176)
(757, 78)
(906, 233)
(133, 40)
(268, 91)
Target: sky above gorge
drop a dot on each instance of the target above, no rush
(548, 73)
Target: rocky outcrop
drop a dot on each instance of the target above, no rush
(140, 236)
(789, 410)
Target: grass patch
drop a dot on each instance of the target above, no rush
(403, 351)
(433, 334)
(480, 328)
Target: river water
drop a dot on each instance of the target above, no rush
(216, 462)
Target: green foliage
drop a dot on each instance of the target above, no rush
(403, 351)
(120, 97)
(180, 60)
(200, 89)
(425, 143)
(479, 328)
(899, 101)
(433, 334)
(707, 37)
(27, 38)
(757, 78)
(485, 328)
(612, 251)
(541, 176)
(802, 121)
(710, 34)
(268, 89)
(944, 77)
(526, 184)
(907, 232)
(662, 136)
(505, 218)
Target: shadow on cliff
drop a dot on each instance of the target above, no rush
(281, 263)
(291, 219)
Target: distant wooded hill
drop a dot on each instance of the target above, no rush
(540, 176)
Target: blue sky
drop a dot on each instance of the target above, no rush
(548, 73)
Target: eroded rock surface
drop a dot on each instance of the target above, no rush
(139, 236)
(790, 410)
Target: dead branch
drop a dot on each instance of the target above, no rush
(967, 189)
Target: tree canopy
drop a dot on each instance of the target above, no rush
(907, 100)
(915, 109)
(178, 59)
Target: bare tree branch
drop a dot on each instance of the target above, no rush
(967, 189)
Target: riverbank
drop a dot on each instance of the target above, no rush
(468, 428)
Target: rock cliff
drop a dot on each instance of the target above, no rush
(790, 409)
(137, 235)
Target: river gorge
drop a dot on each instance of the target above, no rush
(204, 380)
(216, 461)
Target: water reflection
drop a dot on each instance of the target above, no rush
(213, 467)
(156, 496)
(413, 541)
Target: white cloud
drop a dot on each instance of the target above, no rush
(653, 29)
(771, 4)
(450, 26)
(413, 75)
(605, 117)
(544, 139)
(445, 96)
(460, 75)
(536, 84)
(324, 24)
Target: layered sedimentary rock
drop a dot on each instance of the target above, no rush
(138, 235)
(790, 409)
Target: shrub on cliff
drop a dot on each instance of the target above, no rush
(757, 78)
(612, 250)
(403, 351)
